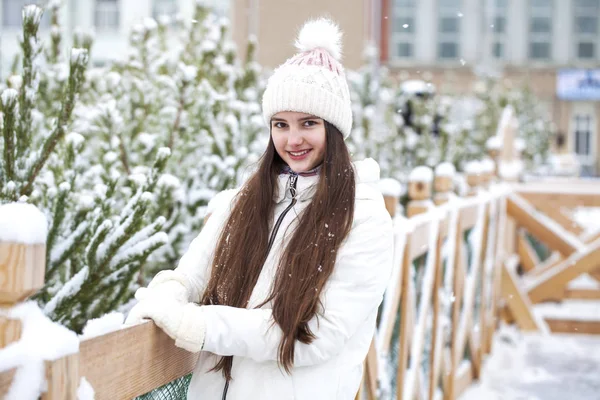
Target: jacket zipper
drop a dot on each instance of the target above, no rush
(292, 181)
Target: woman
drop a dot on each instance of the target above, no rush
(280, 290)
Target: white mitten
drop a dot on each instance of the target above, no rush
(183, 323)
(169, 285)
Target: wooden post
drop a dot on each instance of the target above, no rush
(22, 271)
(22, 268)
(488, 168)
(493, 146)
(391, 190)
(473, 175)
(443, 183)
(419, 191)
(62, 376)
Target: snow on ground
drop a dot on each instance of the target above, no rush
(536, 367)
(581, 310)
(588, 218)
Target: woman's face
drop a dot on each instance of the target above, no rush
(299, 139)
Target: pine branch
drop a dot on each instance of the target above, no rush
(79, 59)
(58, 214)
(97, 239)
(9, 107)
(124, 230)
(32, 15)
(60, 254)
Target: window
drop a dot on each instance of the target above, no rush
(539, 50)
(499, 16)
(499, 23)
(164, 7)
(12, 16)
(583, 135)
(403, 29)
(106, 15)
(449, 21)
(405, 50)
(586, 29)
(404, 24)
(586, 50)
(448, 50)
(498, 50)
(540, 29)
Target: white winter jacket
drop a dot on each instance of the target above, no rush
(331, 367)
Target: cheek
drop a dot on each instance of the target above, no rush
(278, 142)
(320, 142)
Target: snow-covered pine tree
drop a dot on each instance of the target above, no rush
(535, 127)
(196, 98)
(100, 228)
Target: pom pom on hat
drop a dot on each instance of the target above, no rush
(312, 81)
(321, 33)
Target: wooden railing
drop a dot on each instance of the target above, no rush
(543, 211)
(443, 296)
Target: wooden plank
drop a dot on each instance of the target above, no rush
(576, 197)
(468, 216)
(591, 236)
(463, 379)
(62, 376)
(22, 269)
(372, 373)
(517, 301)
(419, 239)
(573, 326)
(476, 356)
(554, 259)
(475, 276)
(394, 304)
(582, 294)
(132, 361)
(405, 328)
(558, 277)
(543, 228)
(6, 379)
(556, 211)
(436, 337)
(451, 368)
(10, 331)
(527, 255)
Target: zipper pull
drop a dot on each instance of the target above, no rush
(292, 185)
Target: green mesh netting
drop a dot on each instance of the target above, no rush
(175, 390)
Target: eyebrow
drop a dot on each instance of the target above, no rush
(301, 119)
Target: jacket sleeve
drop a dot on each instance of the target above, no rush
(193, 268)
(353, 294)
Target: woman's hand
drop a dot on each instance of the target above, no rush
(184, 323)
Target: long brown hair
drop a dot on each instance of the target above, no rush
(309, 257)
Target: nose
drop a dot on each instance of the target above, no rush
(295, 137)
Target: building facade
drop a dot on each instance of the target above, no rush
(545, 44)
(553, 46)
(110, 20)
(275, 23)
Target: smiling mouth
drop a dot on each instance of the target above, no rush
(298, 153)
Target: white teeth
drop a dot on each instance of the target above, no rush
(299, 153)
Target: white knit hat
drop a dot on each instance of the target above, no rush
(312, 81)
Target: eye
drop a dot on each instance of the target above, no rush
(279, 125)
(310, 123)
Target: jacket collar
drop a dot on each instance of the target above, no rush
(367, 171)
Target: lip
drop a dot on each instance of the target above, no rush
(299, 158)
